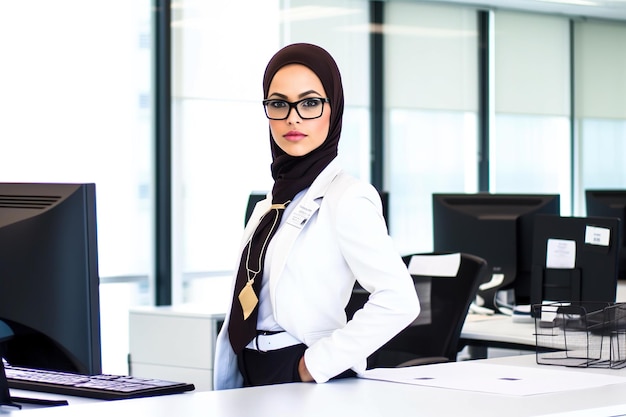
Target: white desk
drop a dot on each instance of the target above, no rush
(356, 397)
(45, 396)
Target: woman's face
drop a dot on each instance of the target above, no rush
(294, 135)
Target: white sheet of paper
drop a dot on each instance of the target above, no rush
(493, 378)
(561, 254)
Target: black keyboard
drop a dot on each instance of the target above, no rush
(104, 387)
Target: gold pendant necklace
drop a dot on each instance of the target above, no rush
(247, 296)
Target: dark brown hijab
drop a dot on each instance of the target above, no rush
(294, 173)
(291, 174)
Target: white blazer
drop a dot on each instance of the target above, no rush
(334, 236)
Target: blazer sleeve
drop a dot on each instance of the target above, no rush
(374, 261)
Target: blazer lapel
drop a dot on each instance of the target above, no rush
(296, 221)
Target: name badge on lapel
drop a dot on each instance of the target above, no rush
(301, 214)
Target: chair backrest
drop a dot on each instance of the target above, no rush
(446, 284)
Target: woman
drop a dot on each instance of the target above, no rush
(318, 230)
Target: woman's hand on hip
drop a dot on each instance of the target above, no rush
(305, 375)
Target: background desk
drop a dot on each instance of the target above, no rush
(175, 343)
(357, 397)
(498, 331)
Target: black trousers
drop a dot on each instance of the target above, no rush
(275, 366)
(272, 367)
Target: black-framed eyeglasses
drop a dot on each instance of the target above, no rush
(307, 108)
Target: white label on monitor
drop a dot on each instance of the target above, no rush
(561, 254)
(597, 235)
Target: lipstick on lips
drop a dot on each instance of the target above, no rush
(294, 136)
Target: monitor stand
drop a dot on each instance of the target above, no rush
(5, 396)
(6, 400)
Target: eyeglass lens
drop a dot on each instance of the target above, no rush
(309, 108)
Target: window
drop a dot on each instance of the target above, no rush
(599, 66)
(431, 113)
(221, 134)
(75, 107)
(530, 148)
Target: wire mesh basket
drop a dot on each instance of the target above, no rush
(581, 334)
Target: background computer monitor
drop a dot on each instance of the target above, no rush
(49, 283)
(610, 203)
(575, 259)
(497, 228)
(255, 197)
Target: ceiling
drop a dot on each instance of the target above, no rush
(605, 9)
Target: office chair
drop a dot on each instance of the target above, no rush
(446, 284)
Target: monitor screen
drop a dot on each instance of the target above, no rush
(575, 259)
(610, 203)
(49, 283)
(497, 228)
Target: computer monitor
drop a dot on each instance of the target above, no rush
(255, 197)
(49, 283)
(497, 228)
(575, 259)
(610, 203)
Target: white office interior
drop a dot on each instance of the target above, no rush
(79, 85)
